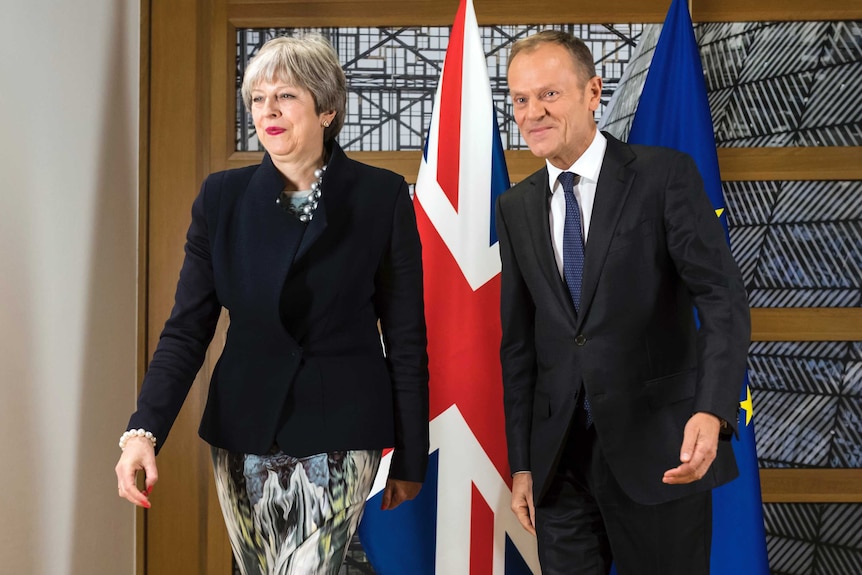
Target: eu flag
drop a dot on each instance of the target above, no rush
(673, 111)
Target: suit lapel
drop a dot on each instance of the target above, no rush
(335, 188)
(615, 181)
(315, 227)
(272, 236)
(536, 208)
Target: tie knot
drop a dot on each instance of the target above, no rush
(568, 180)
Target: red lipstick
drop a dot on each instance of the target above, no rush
(273, 131)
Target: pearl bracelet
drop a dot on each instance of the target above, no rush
(136, 433)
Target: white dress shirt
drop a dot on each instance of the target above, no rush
(588, 167)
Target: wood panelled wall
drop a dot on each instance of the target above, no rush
(187, 99)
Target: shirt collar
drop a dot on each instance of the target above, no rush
(587, 166)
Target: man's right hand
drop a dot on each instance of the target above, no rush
(522, 500)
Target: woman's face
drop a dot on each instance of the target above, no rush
(286, 122)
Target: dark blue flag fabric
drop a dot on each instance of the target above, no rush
(673, 111)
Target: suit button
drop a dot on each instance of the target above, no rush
(580, 340)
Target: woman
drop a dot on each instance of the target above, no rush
(307, 251)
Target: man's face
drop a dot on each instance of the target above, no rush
(553, 105)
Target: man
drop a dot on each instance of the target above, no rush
(618, 408)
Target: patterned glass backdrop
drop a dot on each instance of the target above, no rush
(770, 84)
(813, 539)
(808, 403)
(392, 76)
(799, 244)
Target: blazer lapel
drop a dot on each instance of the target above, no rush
(615, 181)
(335, 187)
(270, 236)
(315, 227)
(536, 208)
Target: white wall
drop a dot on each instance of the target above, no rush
(69, 76)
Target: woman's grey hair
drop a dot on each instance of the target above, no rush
(309, 62)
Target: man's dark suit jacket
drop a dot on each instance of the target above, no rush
(303, 364)
(655, 251)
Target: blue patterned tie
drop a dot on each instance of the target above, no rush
(573, 256)
(573, 240)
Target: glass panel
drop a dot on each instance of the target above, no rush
(392, 76)
(807, 403)
(813, 539)
(798, 244)
(769, 83)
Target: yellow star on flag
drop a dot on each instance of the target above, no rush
(747, 405)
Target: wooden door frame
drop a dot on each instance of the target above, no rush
(184, 531)
(187, 104)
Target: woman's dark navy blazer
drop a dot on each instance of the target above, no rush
(303, 365)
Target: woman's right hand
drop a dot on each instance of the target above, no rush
(139, 454)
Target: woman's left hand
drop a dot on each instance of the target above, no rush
(398, 491)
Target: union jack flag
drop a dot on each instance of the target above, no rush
(461, 522)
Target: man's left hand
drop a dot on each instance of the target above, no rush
(699, 446)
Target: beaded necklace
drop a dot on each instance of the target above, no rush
(305, 209)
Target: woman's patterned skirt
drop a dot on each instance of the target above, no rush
(292, 516)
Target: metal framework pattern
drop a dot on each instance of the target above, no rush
(813, 539)
(392, 76)
(770, 84)
(808, 403)
(799, 244)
